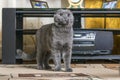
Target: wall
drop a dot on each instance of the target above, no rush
(64, 3)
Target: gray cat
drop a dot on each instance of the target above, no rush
(55, 40)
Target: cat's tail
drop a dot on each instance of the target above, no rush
(25, 56)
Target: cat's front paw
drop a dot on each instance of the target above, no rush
(57, 69)
(40, 67)
(69, 70)
(48, 67)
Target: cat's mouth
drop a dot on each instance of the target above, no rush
(63, 23)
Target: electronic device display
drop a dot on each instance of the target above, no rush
(84, 38)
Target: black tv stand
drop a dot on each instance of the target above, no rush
(12, 28)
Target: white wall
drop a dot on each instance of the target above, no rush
(11, 3)
(26, 3)
(23, 4)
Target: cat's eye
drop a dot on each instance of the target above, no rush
(68, 14)
(61, 14)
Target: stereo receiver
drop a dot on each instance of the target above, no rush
(92, 42)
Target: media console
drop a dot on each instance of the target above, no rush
(12, 32)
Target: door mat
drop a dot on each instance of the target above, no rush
(60, 76)
(54, 75)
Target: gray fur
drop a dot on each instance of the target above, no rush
(55, 40)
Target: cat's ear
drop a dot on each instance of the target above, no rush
(69, 11)
(59, 11)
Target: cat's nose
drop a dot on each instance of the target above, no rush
(66, 21)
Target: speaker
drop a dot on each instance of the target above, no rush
(104, 40)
